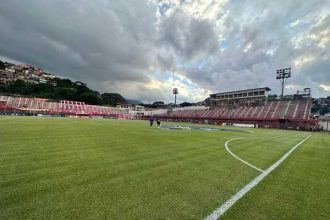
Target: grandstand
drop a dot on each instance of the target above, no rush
(23, 105)
(238, 98)
(250, 107)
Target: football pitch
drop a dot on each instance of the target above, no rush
(62, 168)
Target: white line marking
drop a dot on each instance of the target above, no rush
(230, 202)
(238, 158)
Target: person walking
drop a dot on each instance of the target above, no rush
(151, 121)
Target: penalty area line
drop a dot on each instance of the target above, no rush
(230, 202)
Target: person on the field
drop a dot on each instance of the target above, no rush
(158, 123)
(151, 121)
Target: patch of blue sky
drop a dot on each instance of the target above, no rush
(298, 27)
(181, 63)
(185, 81)
(157, 74)
(204, 64)
(162, 76)
(223, 44)
(164, 6)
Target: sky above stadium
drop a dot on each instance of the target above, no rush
(144, 48)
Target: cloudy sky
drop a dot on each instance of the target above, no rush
(144, 48)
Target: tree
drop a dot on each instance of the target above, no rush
(90, 97)
(185, 104)
(324, 110)
(158, 103)
(63, 89)
(315, 108)
(112, 99)
(2, 65)
(64, 83)
(66, 93)
(20, 87)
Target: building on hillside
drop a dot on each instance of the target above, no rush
(10, 69)
(27, 73)
(257, 96)
(7, 76)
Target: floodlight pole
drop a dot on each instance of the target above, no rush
(282, 82)
(175, 100)
(282, 75)
(175, 92)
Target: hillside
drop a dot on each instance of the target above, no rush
(31, 81)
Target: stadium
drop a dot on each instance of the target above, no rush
(68, 159)
(246, 108)
(164, 109)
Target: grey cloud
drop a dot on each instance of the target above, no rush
(116, 46)
(266, 29)
(138, 91)
(83, 40)
(188, 36)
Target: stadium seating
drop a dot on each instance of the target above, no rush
(278, 109)
(65, 107)
(272, 110)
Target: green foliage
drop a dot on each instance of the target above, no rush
(112, 99)
(315, 108)
(90, 97)
(20, 87)
(322, 110)
(158, 103)
(63, 89)
(2, 66)
(185, 104)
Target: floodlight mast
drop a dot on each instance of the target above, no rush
(282, 75)
(175, 92)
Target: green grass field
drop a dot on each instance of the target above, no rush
(61, 168)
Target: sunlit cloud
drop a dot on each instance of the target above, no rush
(143, 48)
(325, 87)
